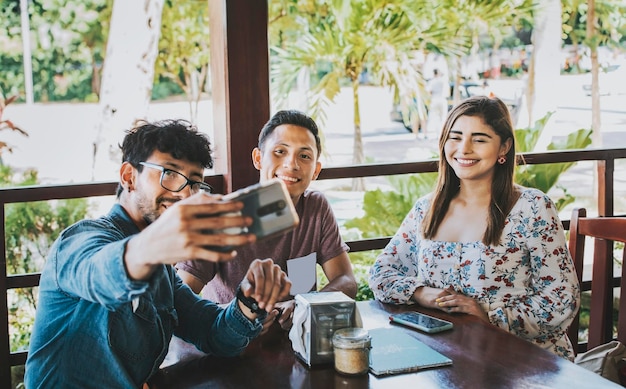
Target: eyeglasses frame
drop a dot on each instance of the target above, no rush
(202, 185)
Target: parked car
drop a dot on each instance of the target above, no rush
(466, 89)
(612, 81)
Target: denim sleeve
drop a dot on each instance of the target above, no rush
(89, 264)
(211, 328)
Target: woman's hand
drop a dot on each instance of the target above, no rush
(427, 296)
(454, 302)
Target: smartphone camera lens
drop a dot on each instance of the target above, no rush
(274, 207)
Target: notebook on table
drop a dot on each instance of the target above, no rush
(394, 352)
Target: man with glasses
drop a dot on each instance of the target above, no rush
(109, 298)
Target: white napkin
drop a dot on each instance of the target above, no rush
(297, 331)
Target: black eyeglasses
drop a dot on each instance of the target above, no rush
(175, 182)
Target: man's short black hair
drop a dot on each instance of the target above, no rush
(179, 138)
(292, 117)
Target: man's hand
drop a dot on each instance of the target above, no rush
(286, 318)
(266, 283)
(283, 313)
(189, 229)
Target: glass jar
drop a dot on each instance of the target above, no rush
(352, 351)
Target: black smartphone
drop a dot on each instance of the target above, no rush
(421, 321)
(270, 207)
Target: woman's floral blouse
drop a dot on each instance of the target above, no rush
(527, 284)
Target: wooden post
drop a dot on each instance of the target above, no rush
(240, 79)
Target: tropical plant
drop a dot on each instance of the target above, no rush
(545, 176)
(487, 25)
(184, 48)
(6, 124)
(386, 38)
(30, 229)
(593, 23)
(610, 26)
(67, 40)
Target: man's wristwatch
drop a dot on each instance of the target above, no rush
(249, 302)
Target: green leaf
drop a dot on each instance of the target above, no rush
(384, 211)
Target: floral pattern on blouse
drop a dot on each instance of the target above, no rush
(527, 284)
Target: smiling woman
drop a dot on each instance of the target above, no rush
(470, 246)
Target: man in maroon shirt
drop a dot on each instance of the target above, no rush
(289, 149)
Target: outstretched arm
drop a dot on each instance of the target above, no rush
(179, 234)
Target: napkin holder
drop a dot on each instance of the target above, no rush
(317, 316)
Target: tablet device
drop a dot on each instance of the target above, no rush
(395, 351)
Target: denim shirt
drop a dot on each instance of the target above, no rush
(95, 327)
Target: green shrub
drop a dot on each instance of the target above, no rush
(30, 230)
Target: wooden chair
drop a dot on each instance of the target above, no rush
(604, 231)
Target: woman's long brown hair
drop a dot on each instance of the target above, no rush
(503, 193)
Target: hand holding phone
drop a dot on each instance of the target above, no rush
(270, 207)
(421, 321)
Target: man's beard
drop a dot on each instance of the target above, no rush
(151, 211)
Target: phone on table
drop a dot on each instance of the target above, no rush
(421, 321)
(270, 207)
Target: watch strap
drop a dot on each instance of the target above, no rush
(250, 302)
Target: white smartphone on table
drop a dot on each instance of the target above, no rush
(421, 321)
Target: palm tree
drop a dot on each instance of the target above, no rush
(544, 66)
(604, 21)
(184, 49)
(344, 38)
(127, 77)
(384, 37)
(491, 21)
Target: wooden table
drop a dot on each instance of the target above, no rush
(483, 357)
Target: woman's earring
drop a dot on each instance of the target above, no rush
(502, 160)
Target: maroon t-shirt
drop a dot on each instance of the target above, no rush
(317, 232)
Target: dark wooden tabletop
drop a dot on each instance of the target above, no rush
(483, 357)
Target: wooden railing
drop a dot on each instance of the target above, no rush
(605, 196)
